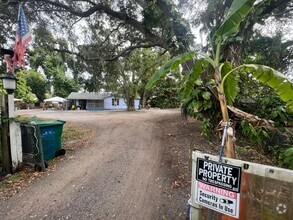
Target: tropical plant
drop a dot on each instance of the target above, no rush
(288, 157)
(225, 74)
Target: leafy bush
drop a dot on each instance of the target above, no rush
(256, 134)
(288, 157)
(265, 103)
(274, 143)
(165, 94)
(203, 106)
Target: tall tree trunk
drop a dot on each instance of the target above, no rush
(130, 103)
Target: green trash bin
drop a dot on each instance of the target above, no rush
(51, 136)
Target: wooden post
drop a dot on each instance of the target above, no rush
(5, 140)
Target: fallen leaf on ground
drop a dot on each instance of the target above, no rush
(175, 184)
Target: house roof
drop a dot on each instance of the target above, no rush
(88, 96)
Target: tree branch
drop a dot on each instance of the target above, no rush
(88, 1)
(177, 26)
(9, 2)
(129, 50)
(284, 12)
(111, 32)
(121, 54)
(114, 14)
(260, 12)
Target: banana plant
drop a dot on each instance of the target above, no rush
(225, 75)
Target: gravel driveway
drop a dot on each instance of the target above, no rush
(122, 175)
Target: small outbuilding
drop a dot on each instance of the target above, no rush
(97, 101)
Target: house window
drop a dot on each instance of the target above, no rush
(115, 102)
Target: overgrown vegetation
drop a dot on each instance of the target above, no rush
(225, 74)
(276, 145)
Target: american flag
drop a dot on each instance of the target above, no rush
(23, 37)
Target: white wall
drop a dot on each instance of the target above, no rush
(122, 105)
(15, 136)
(15, 145)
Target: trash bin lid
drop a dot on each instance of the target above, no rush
(50, 123)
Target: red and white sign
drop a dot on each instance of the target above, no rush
(218, 199)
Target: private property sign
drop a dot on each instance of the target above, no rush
(217, 174)
(218, 186)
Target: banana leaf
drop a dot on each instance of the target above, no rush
(198, 69)
(279, 82)
(231, 88)
(238, 10)
(171, 65)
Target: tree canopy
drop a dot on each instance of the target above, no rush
(106, 30)
(114, 27)
(84, 37)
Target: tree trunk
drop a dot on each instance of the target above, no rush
(130, 104)
(144, 98)
(230, 148)
(130, 98)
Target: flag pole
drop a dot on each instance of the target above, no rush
(13, 63)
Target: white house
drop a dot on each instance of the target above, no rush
(98, 101)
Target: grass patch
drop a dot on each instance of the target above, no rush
(76, 137)
(26, 119)
(16, 178)
(72, 133)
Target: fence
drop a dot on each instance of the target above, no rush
(32, 149)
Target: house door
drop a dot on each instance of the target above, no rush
(82, 104)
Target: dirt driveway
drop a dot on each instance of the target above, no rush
(135, 168)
